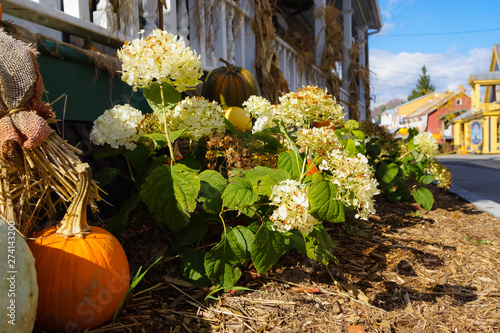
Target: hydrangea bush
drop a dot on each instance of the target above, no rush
(286, 181)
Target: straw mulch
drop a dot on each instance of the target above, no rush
(406, 270)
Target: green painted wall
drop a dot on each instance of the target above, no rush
(89, 91)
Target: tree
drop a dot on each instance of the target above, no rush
(424, 86)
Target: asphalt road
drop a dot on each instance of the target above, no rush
(476, 178)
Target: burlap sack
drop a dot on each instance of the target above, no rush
(23, 114)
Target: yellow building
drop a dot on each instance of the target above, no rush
(478, 130)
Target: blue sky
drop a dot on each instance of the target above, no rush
(452, 38)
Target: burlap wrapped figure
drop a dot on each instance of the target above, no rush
(34, 160)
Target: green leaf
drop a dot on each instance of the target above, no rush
(291, 162)
(170, 194)
(138, 157)
(107, 151)
(418, 156)
(239, 195)
(177, 134)
(424, 197)
(186, 186)
(324, 205)
(359, 135)
(350, 147)
(193, 267)
(220, 265)
(373, 150)
(191, 233)
(121, 220)
(153, 96)
(297, 240)
(268, 138)
(157, 139)
(135, 281)
(106, 176)
(212, 186)
(319, 245)
(387, 172)
(229, 125)
(427, 179)
(267, 248)
(241, 239)
(264, 179)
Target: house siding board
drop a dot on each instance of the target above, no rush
(435, 124)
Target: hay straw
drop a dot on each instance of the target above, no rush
(52, 167)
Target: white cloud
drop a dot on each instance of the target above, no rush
(386, 29)
(395, 75)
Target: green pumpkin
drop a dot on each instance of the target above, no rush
(230, 85)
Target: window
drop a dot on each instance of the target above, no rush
(498, 129)
(459, 101)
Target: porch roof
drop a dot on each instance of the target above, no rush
(431, 105)
(488, 78)
(371, 12)
(464, 115)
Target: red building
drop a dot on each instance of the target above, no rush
(435, 117)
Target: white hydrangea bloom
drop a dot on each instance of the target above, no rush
(161, 58)
(426, 143)
(292, 210)
(201, 117)
(320, 141)
(261, 109)
(297, 109)
(354, 177)
(117, 127)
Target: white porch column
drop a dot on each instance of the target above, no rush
(360, 32)
(183, 23)
(129, 20)
(150, 8)
(50, 3)
(104, 15)
(347, 12)
(319, 30)
(78, 9)
(170, 17)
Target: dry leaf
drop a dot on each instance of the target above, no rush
(355, 329)
(304, 290)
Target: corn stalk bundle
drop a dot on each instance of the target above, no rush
(333, 52)
(353, 75)
(35, 162)
(269, 75)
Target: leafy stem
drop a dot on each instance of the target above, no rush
(167, 136)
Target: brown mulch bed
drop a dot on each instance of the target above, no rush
(405, 270)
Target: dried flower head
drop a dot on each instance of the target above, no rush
(160, 58)
(117, 127)
(442, 174)
(292, 210)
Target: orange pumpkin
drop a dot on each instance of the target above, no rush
(321, 123)
(81, 281)
(313, 170)
(82, 271)
(230, 85)
(1, 12)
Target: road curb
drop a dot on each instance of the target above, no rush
(485, 205)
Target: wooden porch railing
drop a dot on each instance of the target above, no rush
(217, 29)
